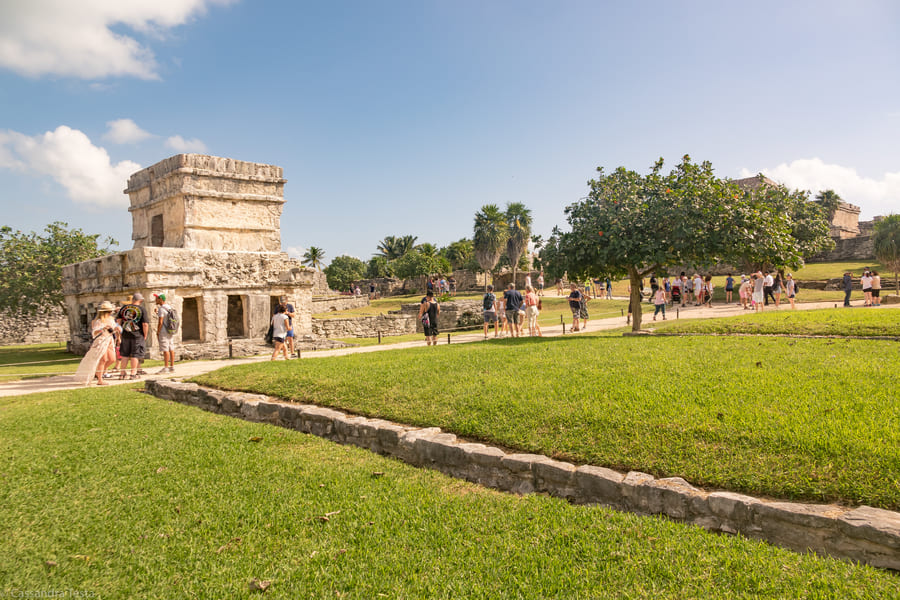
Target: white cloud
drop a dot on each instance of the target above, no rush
(125, 131)
(73, 38)
(873, 196)
(72, 160)
(296, 251)
(179, 144)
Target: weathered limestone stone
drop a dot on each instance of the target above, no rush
(206, 233)
(407, 449)
(555, 477)
(231, 404)
(517, 473)
(634, 487)
(598, 485)
(735, 512)
(318, 421)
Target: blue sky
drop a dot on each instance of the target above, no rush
(401, 117)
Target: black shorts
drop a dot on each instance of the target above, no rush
(132, 346)
(431, 331)
(876, 293)
(280, 340)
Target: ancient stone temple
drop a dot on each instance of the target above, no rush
(206, 233)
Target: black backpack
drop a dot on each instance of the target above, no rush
(488, 301)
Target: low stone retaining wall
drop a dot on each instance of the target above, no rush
(868, 535)
(338, 303)
(364, 327)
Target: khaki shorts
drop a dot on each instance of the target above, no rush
(166, 343)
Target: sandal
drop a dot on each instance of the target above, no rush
(123, 375)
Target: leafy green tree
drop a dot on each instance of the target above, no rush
(31, 264)
(887, 245)
(636, 225)
(552, 262)
(314, 257)
(412, 264)
(806, 222)
(490, 235)
(461, 255)
(427, 249)
(344, 270)
(518, 220)
(379, 267)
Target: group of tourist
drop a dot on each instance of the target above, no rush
(281, 329)
(120, 340)
(512, 311)
(871, 287)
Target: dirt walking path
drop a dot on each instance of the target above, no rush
(189, 369)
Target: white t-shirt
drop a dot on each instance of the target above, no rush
(279, 325)
(162, 311)
(865, 281)
(769, 281)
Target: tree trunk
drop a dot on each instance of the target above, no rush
(635, 299)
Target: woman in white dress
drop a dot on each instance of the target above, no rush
(102, 352)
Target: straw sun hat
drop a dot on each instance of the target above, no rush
(106, 306)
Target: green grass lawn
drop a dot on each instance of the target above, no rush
(116, 494)
(802, 419)
(857, 321)
(41, 360)
(35, 360)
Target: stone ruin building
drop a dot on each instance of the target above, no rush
(207, 233)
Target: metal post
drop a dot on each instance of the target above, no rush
(448, 338)
(298, 353)
(622, 310)
(677, 313)
(230, 350)
(564, 326)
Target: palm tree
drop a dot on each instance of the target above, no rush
(518, 220)
(314, 257)
(830, 201)
(490, 237)
(887, 245)
(392, 247)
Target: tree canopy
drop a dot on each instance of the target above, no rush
(344, 270)
(314, 257)
(887, 245)
(635, 225)
(518, 220)
(490, 235)
(31, 264)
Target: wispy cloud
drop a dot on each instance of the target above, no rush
(68, 156)
(75, 39)
(125, 131)
(179, 144)
(873, 196)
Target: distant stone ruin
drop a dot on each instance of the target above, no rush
(207, 233)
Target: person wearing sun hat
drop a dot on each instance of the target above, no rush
(102, 352)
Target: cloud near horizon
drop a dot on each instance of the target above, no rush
(873, 196)
(75, 39)
(68, 156)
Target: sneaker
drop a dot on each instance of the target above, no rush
(171, 369)
(163, 370)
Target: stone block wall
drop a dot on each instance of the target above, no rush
(456, 314)
(865, 534)
(338, 303)
(365, 327)
(49, 325)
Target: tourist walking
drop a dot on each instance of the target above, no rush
(777, 289)
(102, 352)
(540, 282)
(532, 310)
(513, 301)
(866, 282)
(848, 287)
(135, 327)
(489, 304)
(575, 301)
(164, 337)
(429, 309)
(744, 292)
(729, 288)
(759, 292)
(659, 301)
(791, 289)
(768, 282)
(280, 325)
(583, 311)
(876, 288)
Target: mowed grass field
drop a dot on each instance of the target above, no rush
(811, 419)
(115, 494)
